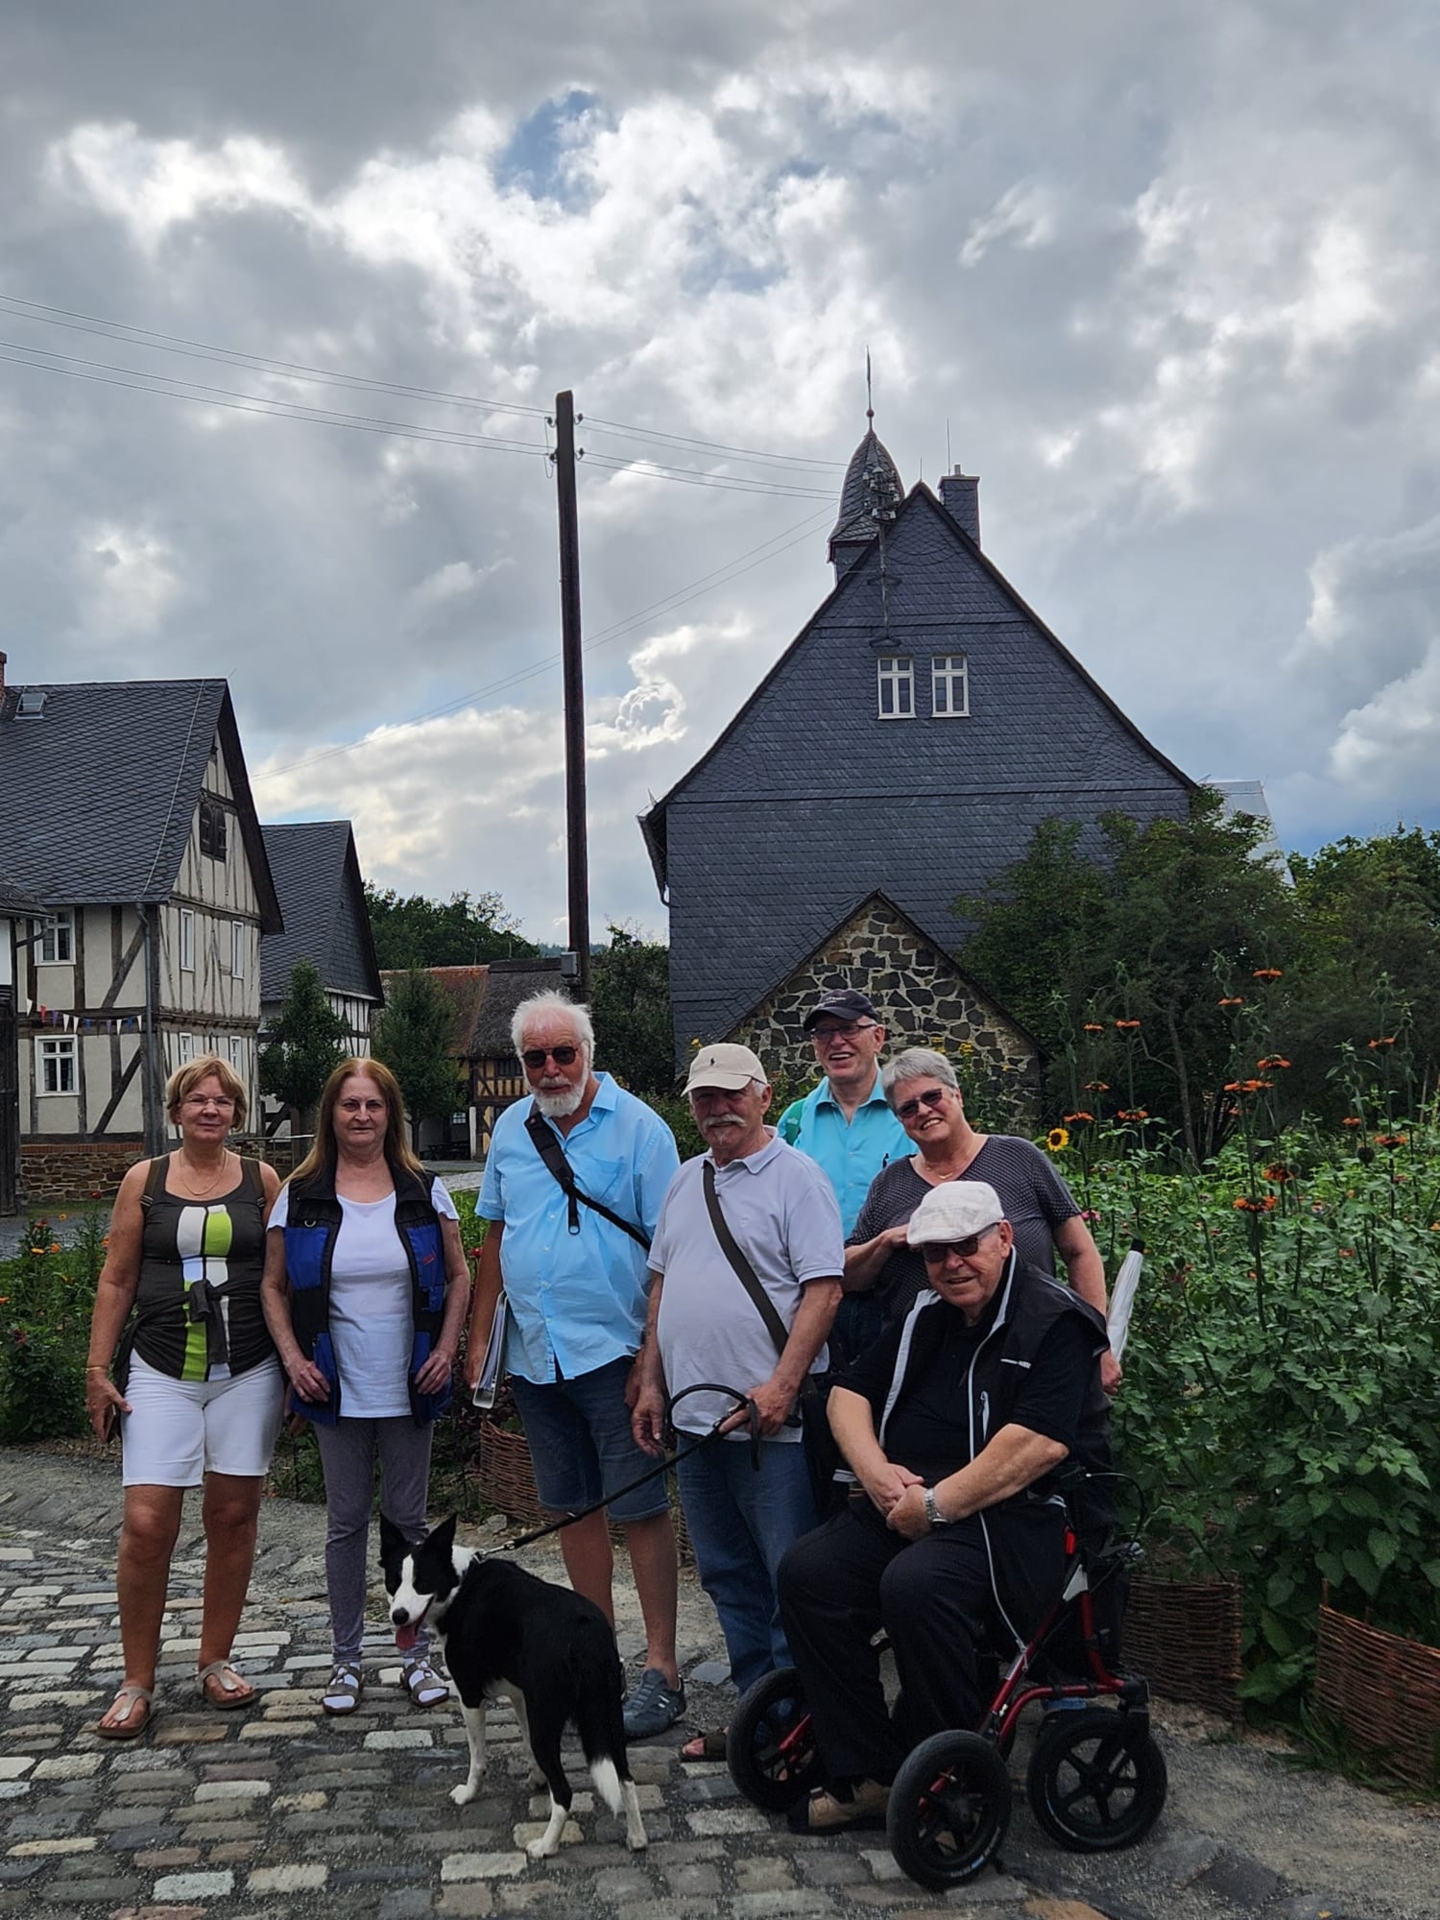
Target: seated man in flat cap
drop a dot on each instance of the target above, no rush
(954, 1423)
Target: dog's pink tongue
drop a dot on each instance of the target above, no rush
(405, 1637)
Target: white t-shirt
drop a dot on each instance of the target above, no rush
(370, 1327)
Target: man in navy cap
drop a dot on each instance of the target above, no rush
(847, 1127)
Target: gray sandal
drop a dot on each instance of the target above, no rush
(423, 1683)
(344, 1688)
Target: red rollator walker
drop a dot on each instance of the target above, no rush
(1096, 1779)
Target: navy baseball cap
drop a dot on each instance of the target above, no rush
(842, 1003)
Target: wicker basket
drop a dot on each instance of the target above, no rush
(1184, 1636)
(506, 1479)
(1385, 1691)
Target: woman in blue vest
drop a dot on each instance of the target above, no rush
(365, 1292)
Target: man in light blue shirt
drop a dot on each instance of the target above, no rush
(575, 1283)
(846, 1126)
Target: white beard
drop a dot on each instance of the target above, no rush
(555, 1106)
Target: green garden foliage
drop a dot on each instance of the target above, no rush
(47, 1293)
(462, 931)
(414, 1037)
(305, 1041)
(630, 1005)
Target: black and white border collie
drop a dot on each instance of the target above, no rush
(505, 1633)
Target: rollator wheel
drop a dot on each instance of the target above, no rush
(1097, 1780)
(949, 1809)
(770, 1748)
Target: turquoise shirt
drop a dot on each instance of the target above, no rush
(849, 1154)
(577, 1300)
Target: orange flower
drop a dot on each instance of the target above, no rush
(1092, 1026)
(1097, 1086)
(1134, 1113)
(1386, 1040)
(1127, 1026)
(1232, 1000)
(1255, 1086)
(1352, 1120)
(1268, 973)
(1077, 1119)
(1232, 1086)
(1271, 1061)
(1279, 1174)
(1246, 1205)
(1347, 1253)
(1391, 1139)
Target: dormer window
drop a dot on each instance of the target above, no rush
(895, 684)
(950, 686)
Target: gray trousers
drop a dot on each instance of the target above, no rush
(348, 1452)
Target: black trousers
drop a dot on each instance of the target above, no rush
(932, 1596)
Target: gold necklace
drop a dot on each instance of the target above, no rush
(197, 1191)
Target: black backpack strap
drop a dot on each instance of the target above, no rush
(154, 1180)
(553, 1154)
(744, 1272)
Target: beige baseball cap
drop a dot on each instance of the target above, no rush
(725, 1065)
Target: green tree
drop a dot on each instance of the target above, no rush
(630, 1004)
(414, 1037)
(303, 1043)
(460, 932)
(1176, 918)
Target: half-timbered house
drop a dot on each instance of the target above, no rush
(125, 810)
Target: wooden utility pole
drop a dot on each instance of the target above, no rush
(577, 851)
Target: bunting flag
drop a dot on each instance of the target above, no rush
(84, 1022)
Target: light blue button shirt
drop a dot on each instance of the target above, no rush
(849, 1153)
(577, 1300)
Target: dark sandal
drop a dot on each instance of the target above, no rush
(235, 1690)
(709, 1745)
(343, 1688)
(423, 1683)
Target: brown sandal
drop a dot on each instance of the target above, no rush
(235, 1690)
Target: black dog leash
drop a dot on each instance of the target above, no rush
(752, 1422)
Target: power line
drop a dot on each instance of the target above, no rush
(731, 570)
(611, 430)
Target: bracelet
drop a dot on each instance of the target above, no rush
(104, 1369)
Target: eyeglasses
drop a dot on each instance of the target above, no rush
(937, 1252)
(822, 1036)
(535, 1057)
(932, 1097)
(201, 1100)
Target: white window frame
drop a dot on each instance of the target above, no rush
(895, 683)
(236, 1047)
(949, 673)
(57, 938)
(237, 949)
(187, 940)
(56, 1060)
(184, 1049)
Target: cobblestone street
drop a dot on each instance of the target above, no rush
(281, 1810)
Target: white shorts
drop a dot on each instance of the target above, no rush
(177, 1431)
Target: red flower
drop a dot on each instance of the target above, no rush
(1133, 1113)
(1233, 1000)
(1092, 1026)
(1386, 1040)
(1246, 1205)
(1074, 1119)
(1127, 1026)
(1271, 1061)
(1352, 1120)
(1391, 1139)
(1268, 973)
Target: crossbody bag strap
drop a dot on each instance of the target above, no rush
(744, 1272)
(558, 1164)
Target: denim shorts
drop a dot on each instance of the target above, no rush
(581, 1445)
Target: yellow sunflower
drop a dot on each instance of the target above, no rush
(1057, 1139)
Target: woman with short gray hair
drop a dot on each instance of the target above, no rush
(924, 1094)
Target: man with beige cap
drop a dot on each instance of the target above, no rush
(706, 1323)
(954, 1422)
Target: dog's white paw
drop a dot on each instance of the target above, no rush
(538, 1850)
(637, 1846)
(463, 1794)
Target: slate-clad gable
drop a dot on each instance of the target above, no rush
(816, 802)
(317, 876)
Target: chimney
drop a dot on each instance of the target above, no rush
(960, 497)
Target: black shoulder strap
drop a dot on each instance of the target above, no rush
(553, 1154)
(744, 1272)
(154, 1180)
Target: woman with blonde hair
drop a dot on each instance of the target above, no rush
(365, 1291)
(197, 1389)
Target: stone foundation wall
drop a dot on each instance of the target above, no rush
(52, 1170)
(924, 1000)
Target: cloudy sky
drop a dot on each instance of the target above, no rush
(1164, 276)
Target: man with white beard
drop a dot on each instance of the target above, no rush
(573, 1185)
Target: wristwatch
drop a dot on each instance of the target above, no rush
(932, 1509)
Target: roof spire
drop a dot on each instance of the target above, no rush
(871, 494)
(869, 391)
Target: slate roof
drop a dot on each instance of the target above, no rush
(98, 793)
(322, 896)
(855, 522)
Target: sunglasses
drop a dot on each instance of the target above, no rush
(822, 1036)
(535, 1057)
(937, 1252)
(933, 1097)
